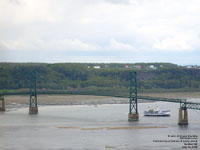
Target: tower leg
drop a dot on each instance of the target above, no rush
(183, 116)
(133, 114)
(33, 107)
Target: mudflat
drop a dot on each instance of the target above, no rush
(23, 100)
(66, 99)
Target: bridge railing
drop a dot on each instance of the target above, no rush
(183, 102)
(174, 100)
(191, 105)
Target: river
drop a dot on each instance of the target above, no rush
(97, 127)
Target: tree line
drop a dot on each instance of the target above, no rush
(73, 76)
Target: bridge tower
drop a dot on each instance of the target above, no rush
(2, 105)
(183, 114)
(133, 103)
(33, 108)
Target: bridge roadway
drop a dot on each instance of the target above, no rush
(183, 102)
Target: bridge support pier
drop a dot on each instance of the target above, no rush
(133, 117)
(183, 116)
(133, 114)
(2, 105)
(33, 107)
(33, 110)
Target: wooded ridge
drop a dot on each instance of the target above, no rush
(108, 77)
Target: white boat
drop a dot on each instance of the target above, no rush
(157, 112)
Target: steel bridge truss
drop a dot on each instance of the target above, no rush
(190, 105)
(33, 93)
(183, 102)
(133, 103)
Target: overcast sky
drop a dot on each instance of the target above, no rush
(124, 31)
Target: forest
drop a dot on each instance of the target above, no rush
(114, 77)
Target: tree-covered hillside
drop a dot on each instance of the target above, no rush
(75, 76)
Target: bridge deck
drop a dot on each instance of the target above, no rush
(174, 100)
(189, 105)
(192, 105)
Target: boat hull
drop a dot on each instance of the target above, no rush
(157, 113)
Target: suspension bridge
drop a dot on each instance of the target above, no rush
(133, 96)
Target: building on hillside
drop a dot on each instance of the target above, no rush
(137, 67)
(96, 67)
(152, 67)
(126, 66)
(192, 67)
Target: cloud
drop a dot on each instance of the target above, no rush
(102, 25)
(16, 2)
(180, 42)
(13, 45)
(71, 44)
(173, 44)
(118, 1)
(23, 11)
(59, 45)
(119, 46)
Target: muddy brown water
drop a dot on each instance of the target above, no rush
(91, 124)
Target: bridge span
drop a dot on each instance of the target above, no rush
(133, 96)
(133, 103)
